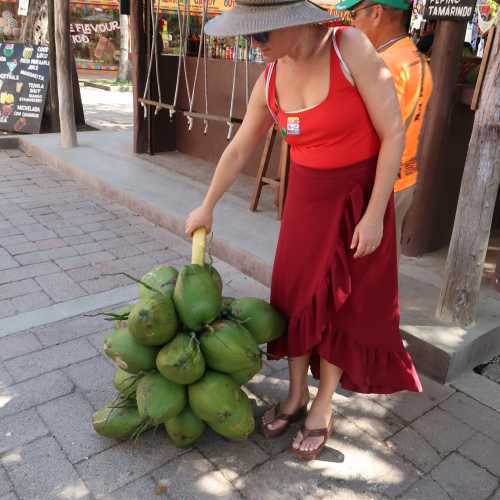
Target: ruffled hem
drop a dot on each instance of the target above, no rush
(314, 329)
(366, 369)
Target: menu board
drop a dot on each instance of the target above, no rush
(24, 79)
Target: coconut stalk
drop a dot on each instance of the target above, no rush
(199, 245)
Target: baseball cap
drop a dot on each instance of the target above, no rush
(394, 4)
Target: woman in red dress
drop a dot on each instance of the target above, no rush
(335, 271)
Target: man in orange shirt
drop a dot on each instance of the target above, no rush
(385, 23)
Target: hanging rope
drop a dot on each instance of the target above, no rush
(230, 124)
(182, 35)
(200, 47)
(205, 60)
(153, 53)
(183, 42)
(157, 56)
(247, 83)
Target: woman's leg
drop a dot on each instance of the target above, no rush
(321, 410)
(298, 393)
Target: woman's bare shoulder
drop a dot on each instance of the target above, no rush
(356, 48)
(353, 39)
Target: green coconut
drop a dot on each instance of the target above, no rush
(239, 423)
(229, 347)
(214, 396)
(241, 377)
(185, 428)
(216, 276)
(153, 321)
(122, 348)
(197, 297)
(181, 360)
(126, 383)
(161, 278)
(158, 399)
(260, 318)
(117, 422)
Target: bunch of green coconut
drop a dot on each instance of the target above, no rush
(182, 353)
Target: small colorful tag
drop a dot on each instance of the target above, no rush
(293, 125)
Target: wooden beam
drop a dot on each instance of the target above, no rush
(445, 65)
(471, 232)
(64, 80)
(265, 159)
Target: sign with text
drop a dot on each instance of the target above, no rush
(24, 79)
(454, 10)
(84, 32)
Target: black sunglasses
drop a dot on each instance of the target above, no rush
(261, 38)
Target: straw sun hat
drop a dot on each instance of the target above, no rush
(255, 16)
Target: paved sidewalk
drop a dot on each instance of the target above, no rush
(57, 240)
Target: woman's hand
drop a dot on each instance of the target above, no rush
(367, 235)
(199, 217)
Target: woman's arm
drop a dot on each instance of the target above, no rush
(255, 124)
(375, 85)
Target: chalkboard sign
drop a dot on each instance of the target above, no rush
(24, 79)
(454, 10)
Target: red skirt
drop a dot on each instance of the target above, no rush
(342, 309)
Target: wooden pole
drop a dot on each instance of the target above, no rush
(53, 98)
(77, 96)
(123, 68)
(445, 65)
(482, 69)
(469, 242)
(64, 80)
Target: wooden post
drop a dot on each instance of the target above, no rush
(138, 72)
(445, 65)
(27, 32)
(482, 69)
(77, 96)
(64, 80)
(471, 231)
(123, 68)
(53, 98)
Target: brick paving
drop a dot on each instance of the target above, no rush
(58, 242)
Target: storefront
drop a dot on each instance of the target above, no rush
(95, 31)
(168, 12)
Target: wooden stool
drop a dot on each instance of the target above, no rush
(280, 183)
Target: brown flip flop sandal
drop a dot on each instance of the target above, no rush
(315, 453)
(278, 415)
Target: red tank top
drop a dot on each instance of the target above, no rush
(335, 133)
